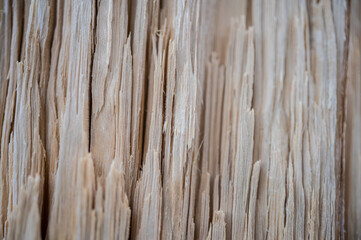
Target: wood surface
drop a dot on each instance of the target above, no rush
(180, 119)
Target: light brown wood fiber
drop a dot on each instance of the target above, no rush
(180, 119)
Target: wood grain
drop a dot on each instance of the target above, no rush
(180, 119)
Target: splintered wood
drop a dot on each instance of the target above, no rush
(180, 119)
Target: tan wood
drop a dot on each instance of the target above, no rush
(180, 119)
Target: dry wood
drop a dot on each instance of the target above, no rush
(180, 119)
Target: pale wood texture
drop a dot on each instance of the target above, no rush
(180, 119)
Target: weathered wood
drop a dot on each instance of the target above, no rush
(152, 119)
